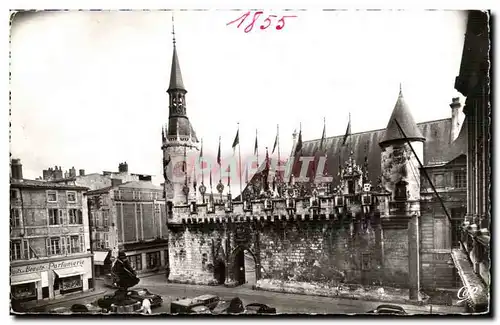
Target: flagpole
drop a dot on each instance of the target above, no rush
(239, 158)
(257, 149)
(220, 165)
(278, 135)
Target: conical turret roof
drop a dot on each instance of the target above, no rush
(401, 113)
(175, 74)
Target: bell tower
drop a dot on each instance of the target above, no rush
(179, 141)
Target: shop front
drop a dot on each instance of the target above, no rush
(24, 287)
(102, 263)
(38, 281)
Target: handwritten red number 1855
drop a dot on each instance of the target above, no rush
(267, 22)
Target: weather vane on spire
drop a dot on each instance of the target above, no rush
(173, 28)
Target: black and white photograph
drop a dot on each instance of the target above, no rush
(250, 162)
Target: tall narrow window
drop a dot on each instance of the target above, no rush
(54, 246)
(15, 218)
(460, 179)
(105, 218)
(75, 244)
(15, 250)
(400, 191)
(55, 217)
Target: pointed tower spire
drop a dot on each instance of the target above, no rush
(175, 74)
(401, 113)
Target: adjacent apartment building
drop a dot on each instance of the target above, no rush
(49, 238)
(129, 216)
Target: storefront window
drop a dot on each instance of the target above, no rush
(153, 260)
(73, 283)
(136, 262)
(25, 291)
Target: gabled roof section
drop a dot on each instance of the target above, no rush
(176, 82)
(401, 113)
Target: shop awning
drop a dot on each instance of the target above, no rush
(72, 271)
(24, 278)
(100, 257)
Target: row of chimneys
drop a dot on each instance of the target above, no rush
(56, 173)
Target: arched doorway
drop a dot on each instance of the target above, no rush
(244, 270)
(220, 271)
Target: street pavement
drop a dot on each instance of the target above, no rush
(284, 303)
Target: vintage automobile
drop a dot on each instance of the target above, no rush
(256, 308)
(388, 310)
(232, 306)
(186, 305)
(77, 308)
(140, 294)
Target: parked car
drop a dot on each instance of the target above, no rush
(106, 302)
(233, 306)
(186, 305)
(77, 308)
(388, 310)
(141, 294)
(256, 308)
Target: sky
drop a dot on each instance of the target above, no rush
(88, 89)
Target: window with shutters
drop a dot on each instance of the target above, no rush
(15, 250)
(15, 218)
(54, 246)
(55, 217)
(51, 196)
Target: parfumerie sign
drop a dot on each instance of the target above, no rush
(46, 266)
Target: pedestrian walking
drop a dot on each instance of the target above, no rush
(146, 307)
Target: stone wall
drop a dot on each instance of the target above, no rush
(192, 253)
(334, 252)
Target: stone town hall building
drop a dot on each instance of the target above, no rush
(377, 223)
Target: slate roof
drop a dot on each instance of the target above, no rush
(401, 114)
(437, 148)
(175, 74)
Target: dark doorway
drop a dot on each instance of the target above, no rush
(239, 267)
(220, 271)
(350, 186)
